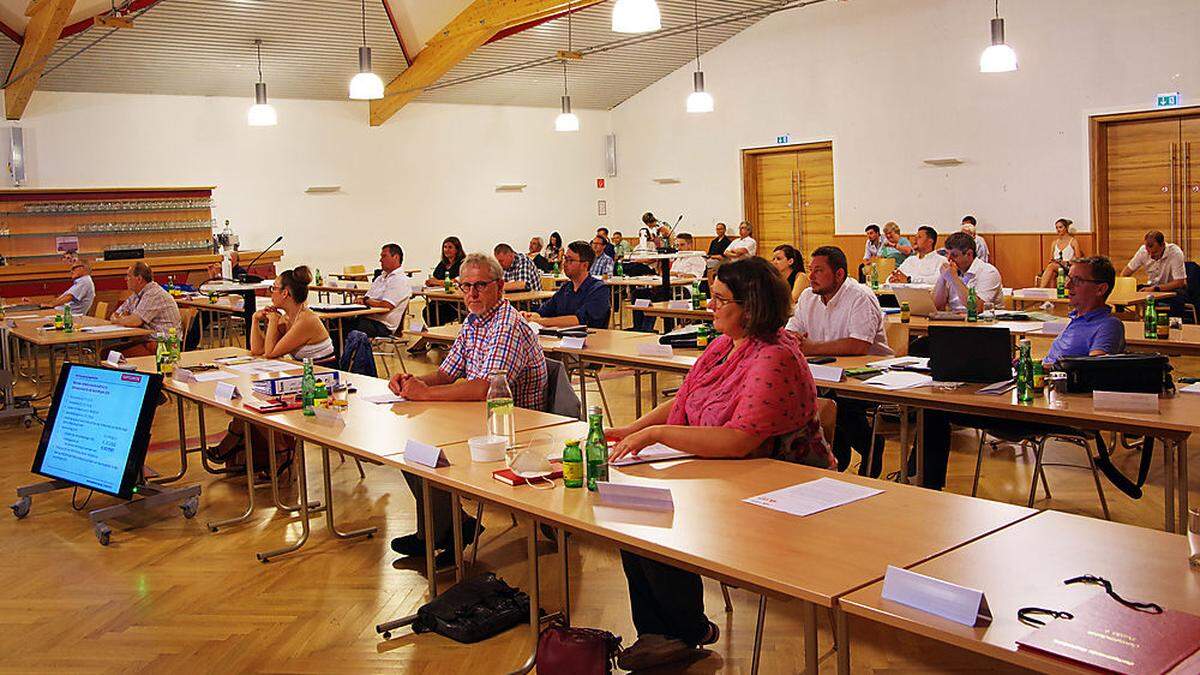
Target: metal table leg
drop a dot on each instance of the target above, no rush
(183, 449)
(456, 509)
(810, 637)
(565, 574)
(1181, 458)
(920, 447)
(654, 389)
(842, 632)
(249, 485)
(302, 499)
(905, 445)
(1170, 474)
(272, 459)
(534, 598)
(758, 634)
(637, 392)
(430, 565)
(364, 532)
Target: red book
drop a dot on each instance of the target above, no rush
(507, 476)
(1114, 638)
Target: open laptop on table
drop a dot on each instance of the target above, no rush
(919, 299)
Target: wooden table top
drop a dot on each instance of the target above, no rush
(369, 428)
(648, 280)
(1184, 341)
(1128, 299)
(663, 309)
(31, 331)
(1025, 565)
(226, 305)
(437, 293)
(326, 288)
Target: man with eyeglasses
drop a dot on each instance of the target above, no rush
(603, 264)
(390, 290)
(149, 306)
(965, 271)
(582, 300)
(1093, 331)
(493, 338)
(81, 294)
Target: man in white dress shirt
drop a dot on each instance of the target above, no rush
(837, 316)
(1165, 270)
(692, 266)
(744, 246)
(389, 290)
(963, 272)
(923, 266)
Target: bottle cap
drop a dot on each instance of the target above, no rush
(595, 410)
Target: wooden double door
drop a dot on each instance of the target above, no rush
(1147, 178)
(788, 196)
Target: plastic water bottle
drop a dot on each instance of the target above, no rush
(308, 389)
(500, 412)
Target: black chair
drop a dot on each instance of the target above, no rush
(1192, 298)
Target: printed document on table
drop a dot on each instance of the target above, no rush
(918, 361)
(214, 375)
(895, 380)
(257, 367)
(655, 452)
(812, 497)
(103, 329)
(380, 399)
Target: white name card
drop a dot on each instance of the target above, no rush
(641, 302)
(655, 349)
(184, 375)
(679, 304)
(115, 358)
(635, 496)
(1123, 401)
(572, 342)
(425, 455)
(960, 604)
(416, 326)
(825, 373)
(226, 392)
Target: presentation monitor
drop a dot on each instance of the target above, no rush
(98, 428)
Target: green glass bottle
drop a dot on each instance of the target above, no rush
(874, 276)
(702, 335)
(68, 320)
(620, 270)
(557, 268)
(318, 278)
(1062, 282)
(1024, 373)
(695, 295)
(972, 305)
(162, 356)
(308, 389)
(1150, 320)
(597, 449)
(572, 465)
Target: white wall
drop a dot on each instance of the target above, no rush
(429, 172)
(894, 82)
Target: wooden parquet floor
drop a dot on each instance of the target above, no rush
(168, 596)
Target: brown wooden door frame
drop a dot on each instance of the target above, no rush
(1098, 147)
(750, 174)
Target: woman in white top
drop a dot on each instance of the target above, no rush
(1066, 248)
(292, 329)
(744, 246)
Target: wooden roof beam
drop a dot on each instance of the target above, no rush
(46, 21)
(479, 22)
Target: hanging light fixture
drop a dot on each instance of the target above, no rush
(261, 114)
(636, 16)
(566, 120)
(366, 85)
(998, 58)
(699, 101)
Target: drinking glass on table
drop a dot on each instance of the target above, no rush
(1193, 535)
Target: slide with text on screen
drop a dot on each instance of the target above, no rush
(94, 427)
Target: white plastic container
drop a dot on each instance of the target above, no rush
(487, 448)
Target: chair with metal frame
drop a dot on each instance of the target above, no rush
(391, 345)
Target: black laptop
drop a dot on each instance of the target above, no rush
(970, 354)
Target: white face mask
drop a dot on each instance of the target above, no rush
(530, 463)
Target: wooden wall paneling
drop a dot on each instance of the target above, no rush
(1189, 184)
(777, 208)
(1019, 258)
(816, 192)
(1141, 194)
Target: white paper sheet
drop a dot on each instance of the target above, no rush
(812, 497)
(825, 373)
(1193, 388)
(655, 452)
(103, 329)
(1019, 326)
(214, 375)
(381, 399)
(256, 367)
(896, 380)
(900, 361)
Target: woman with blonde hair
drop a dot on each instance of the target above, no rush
(1065, 249)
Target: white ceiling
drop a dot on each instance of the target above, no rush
(205, 47)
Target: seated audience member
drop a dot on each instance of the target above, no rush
(790, 265)
(81, 294)
(895, 246)
(520, 274)
(291, 328)
(584, 299)
(447, 267)
(750, 395)
(744, 246)
(969, 225)
(604, 264)
(609, 249)
(964, 271)
(493, 337)
(1165, 269)
(150, 307)
(1066, 248)
(389, 290)
(874, 242)
(1093, 331)
(652, 226)
(621, 246)
(690, 267)
(539, 259)
(716, 247)
(924, 266)
(554, 249)
(837, 316)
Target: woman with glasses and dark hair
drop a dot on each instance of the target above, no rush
(288, 327)
(750, 395)
(790, 265)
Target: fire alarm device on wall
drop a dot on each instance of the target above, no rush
(599, 183)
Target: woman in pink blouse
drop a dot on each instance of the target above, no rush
(750, 395)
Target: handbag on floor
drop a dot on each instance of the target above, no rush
(563, 650)
(474, 609)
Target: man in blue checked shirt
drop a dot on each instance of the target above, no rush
(520, 274)
(602, 266)
(583, 300)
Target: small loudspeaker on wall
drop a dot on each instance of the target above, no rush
(610, 154)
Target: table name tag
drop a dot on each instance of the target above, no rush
(635, 496)
(641, 302)
(226, 392)
(184, 375)
(115, 358)
(1122, 401)
(655, 349)
(416, 326)
(960, 604)
(679, 304)
(572, 343)
(825, 373)
(425, 455)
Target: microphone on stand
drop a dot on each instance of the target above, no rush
(667, 247)
(246, 277)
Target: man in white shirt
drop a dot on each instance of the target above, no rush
(838, 316)
(969, 225)
(963, 272)
(1164, 264)
(924, 266)
(81, 294)
(744, 246)
(389, 290)
(691, 266)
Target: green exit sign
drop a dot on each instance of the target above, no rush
(783, 139)
(1168, 100)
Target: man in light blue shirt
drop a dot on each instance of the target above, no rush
(1093, 330)
(604, 264)
(81, 294)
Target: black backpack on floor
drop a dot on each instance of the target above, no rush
(473, 610)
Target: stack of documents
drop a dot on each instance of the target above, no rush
(896, 380)
(291, 384)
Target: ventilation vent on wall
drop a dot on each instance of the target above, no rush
(510, 187)
(943, 161)
(667, 181)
